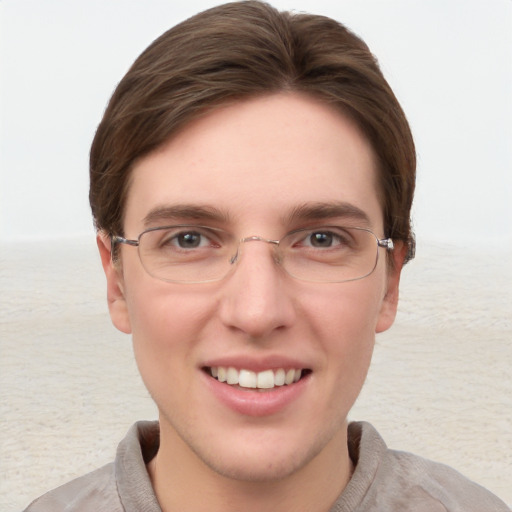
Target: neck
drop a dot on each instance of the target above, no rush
(183, 482)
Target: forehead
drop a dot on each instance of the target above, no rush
(256, 162)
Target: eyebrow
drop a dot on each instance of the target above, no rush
(330, 210)
(301, 213)
(183, 212)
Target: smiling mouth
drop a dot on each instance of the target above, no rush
(248, 379)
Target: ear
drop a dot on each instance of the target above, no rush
(389, 304)
(115, 287)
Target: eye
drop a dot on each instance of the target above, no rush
(189, 240)
(320, 239)
(183, 239)
(323, 239)
(186, 240)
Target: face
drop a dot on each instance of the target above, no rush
(261, 167)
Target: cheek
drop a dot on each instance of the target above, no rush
(349, 341)
(348, 310)
(165, 320)
(166, 327)
(344, 322)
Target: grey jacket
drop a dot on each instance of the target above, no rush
(384, 480)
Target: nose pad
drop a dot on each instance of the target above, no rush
(278, 259)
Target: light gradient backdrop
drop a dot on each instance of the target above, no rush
(450, 63)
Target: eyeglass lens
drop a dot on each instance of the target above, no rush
(194, 254)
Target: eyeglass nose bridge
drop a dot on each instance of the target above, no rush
(254, 238)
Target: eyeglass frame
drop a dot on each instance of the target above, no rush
(386, 243)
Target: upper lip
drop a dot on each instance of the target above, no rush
(259, 364)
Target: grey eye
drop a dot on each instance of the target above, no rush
(189, 240)
(321, 239)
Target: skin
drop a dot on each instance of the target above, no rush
(255, 162)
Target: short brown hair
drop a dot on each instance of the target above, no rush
(233, 52)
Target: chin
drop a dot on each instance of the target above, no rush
(265, 458)
(249, 469)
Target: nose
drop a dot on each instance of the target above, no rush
(256, 299)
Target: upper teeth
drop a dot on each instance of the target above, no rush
(266, 379)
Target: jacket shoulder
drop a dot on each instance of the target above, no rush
(431, 482)
(89, 493)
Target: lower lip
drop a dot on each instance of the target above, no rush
(253, 402)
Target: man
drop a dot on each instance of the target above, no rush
(251, 183)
